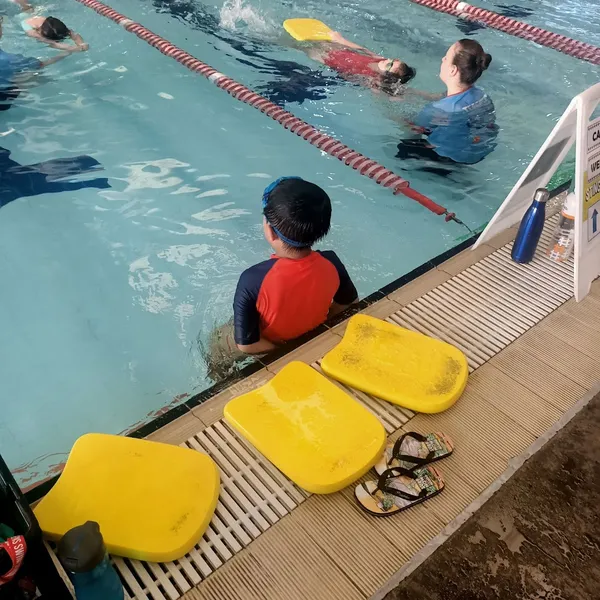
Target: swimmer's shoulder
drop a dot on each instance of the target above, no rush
(29, 21)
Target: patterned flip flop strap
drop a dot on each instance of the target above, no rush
(416, 460)
(393, 473)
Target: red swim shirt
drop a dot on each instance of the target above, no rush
(282, 298)
(350, 62)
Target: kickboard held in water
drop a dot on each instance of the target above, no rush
(308, 30)
(398, 365)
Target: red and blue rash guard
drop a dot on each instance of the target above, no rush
(283, 298)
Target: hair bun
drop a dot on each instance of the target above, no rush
(485, 60)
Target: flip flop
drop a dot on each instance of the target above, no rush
(414, 450)
(398, 489)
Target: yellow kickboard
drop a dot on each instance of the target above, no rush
(310, 429)
(308, 30)
(153, 501)
(398, 365)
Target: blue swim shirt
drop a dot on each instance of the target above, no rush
(462, 126)
(13, 64)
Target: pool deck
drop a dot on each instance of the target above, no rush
(536, 538)
(532, 353)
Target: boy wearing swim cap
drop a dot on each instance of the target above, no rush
(296, 289)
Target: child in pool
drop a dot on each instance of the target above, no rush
(294, 291)
(52, 31)
(386, 75)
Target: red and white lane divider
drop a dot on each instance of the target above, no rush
(352, 158)
(558, 42)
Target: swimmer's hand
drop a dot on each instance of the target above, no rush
(25, 6)
(72, 48)
(263, 345)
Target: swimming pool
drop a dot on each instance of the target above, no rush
(106, 291)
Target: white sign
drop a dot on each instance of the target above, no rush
(573, 127)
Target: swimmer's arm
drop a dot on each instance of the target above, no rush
(50, 61)
(70, 48)
(246, 319)
(79, 46)
(346, 294)
(426, 95)
(336, 309)
(78, 40)
(25, 6)
(338, 38)
(56, 45)
(263, 345)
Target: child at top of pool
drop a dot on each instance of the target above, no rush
(298, 288)
(52, 31)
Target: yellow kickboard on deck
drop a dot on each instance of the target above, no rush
(311, 430)
(153, 501)
(308, 30)
(401, 366)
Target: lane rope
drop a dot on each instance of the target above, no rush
(543, 37)
(359, 162)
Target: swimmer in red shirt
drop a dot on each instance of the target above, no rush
(295, 290)
(387, 75)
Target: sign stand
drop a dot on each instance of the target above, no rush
(574, 127)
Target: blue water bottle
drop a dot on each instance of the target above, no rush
(83, 554)
(531, 228)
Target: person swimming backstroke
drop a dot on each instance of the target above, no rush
(387, 75)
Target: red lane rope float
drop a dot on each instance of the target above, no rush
(561, 43)
(352, 158)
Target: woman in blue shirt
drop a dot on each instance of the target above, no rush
(461, 127)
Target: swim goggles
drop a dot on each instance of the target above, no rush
(410, 71)
(265, 200)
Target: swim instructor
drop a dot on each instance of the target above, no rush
(461, 127)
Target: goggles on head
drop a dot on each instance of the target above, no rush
(265, 200)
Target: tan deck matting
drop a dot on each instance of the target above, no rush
(531, 352)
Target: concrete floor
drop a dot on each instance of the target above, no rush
(537, 538)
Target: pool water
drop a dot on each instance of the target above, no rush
(107, 289)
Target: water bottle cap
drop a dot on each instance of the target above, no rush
(570, 205)
(541, 195)
(82, 549)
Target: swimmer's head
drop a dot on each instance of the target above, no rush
(464, 63)
(54, 29)
(297, 213)
(394, 73)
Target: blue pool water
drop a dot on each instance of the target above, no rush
(107, 290)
